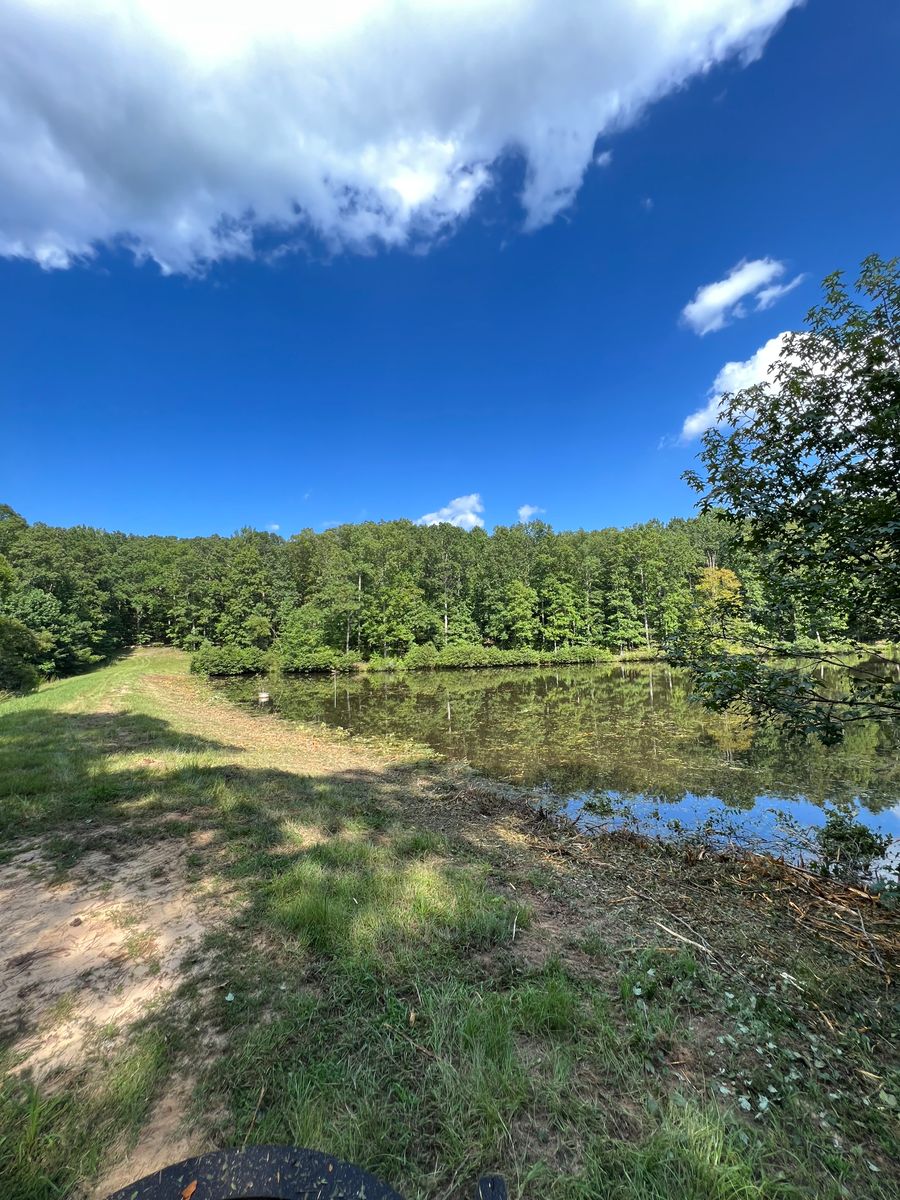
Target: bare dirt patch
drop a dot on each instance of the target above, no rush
(93, 950)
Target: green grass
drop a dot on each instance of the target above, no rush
(53, 1137)
(369, 993)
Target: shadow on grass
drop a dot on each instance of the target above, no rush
(59, 769)
(338, 877)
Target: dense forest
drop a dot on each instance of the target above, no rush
(374, 592)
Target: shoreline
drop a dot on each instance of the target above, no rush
(228, 660)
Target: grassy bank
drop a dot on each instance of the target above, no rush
(308, 943)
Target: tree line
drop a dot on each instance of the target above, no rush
(72, 597)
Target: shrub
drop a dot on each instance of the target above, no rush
(578, 654)
(463, 655)
(379, 663)
(228, 660)
(468, 656)
(322, 659)
(421, 657)
(848, 848)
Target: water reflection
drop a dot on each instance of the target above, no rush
(606, 741)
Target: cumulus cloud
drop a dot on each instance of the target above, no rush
(274, 527)
(527, 512)
(195, 130)
(733, 377)
(715, 305)
(462, 512)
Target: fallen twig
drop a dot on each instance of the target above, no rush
(262, 1092)
(872, 945)
(418, 1045)
(682, 938)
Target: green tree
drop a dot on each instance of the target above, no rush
(624, 629)
(559, 604)
(87, 593)
(249, 598)
(12, 525)
(302, 631)
(66, 595)
(719, 601)
(806, 465)
(516, 623)
(398, 617)
(19, 648)
(460, 629)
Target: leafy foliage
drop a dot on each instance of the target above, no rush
(227, 660)
(847, 847)
(797, 545)
(19, 651)
(806, 468)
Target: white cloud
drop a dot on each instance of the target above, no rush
(603, 159)
(196, 130)
(463, 512)
(770, 295)
(528, 512)
(716, 304)
(733, 377)
(274, 527)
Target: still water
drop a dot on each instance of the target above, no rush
(610, 745)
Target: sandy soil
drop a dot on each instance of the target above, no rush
(92, 950)
(89, 953)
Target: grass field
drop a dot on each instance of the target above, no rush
(220, 929)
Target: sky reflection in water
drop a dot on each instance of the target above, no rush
(610, 743)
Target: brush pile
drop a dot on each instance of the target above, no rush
(858, 922)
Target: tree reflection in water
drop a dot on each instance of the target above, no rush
(611, 737)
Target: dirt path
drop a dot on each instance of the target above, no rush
(95, 948)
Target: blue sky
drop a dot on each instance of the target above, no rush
(308, 381)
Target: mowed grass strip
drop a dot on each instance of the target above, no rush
(397, 994)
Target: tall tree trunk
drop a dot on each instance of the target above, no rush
(359, 610)
(644, 606)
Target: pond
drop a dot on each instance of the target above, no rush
(611, 745)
